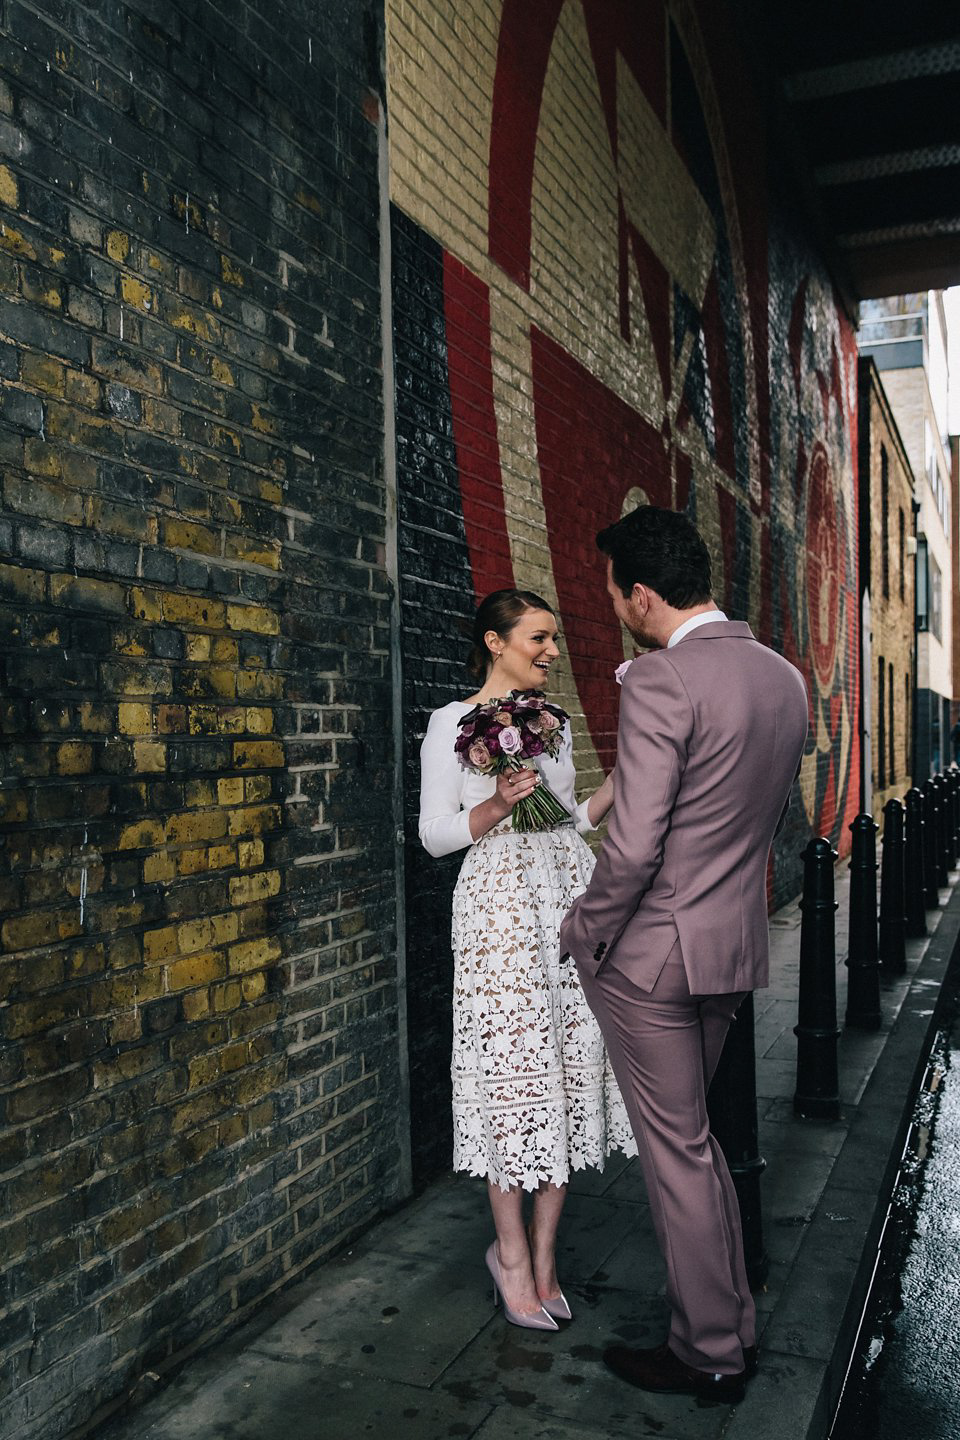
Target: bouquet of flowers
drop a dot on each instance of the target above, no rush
(501, 734)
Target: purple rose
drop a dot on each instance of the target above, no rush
(510, 742)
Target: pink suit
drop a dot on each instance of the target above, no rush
(671, 932)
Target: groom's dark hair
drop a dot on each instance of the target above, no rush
(661, 549)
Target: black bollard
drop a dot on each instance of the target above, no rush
(893, 907)
(817, 1094)
(913, 865)
(732, 1107)
(949, 835)
(953, 782)
(943, 832)
(931, 831)
(863, 959)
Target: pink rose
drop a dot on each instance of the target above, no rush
(510, 741)
(548, 721)
(479, 756)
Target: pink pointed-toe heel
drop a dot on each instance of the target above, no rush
(558, 1308)
(539, 1321)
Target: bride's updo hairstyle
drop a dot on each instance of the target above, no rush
(500, 611)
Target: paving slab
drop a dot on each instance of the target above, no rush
(398, 1337)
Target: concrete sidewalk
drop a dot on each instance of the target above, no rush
(398, 1334)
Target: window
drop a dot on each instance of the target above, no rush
(903, 553)
(885, 521)
(923, 586)
(936, 599)
(892, 766)
(907, 725)
(881, 726)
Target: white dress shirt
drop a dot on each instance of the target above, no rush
(709, 617)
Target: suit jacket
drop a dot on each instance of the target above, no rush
(711, 736)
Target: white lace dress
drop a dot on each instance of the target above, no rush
(533, 1093)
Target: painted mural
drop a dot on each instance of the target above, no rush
(596, 305)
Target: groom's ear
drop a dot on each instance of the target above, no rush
(640, 596)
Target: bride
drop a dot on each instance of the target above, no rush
(533, 1093)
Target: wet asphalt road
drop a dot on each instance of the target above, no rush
(904, 1383)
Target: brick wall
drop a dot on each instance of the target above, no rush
(605, 303)
(198, 1024)
(888, 571)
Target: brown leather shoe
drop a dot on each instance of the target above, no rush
(662, 1371)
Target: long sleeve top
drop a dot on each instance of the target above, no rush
(448, 792)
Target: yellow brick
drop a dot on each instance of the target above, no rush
(253, 986)
(194, 970)
(40, 372)
(257, 754)
(159, 868)
(253, 552)
(224, 649)
(196, 825)
(149, 756)
(194, 935)
(264, 424)
(95, 718)
(253, 819)
(199, 793)
(134, 719)
(9, 191)
(231, 274)
(259, 720)
(225, 928)
(194, 322)
(220, 857)
(222, 682)
(230, 792)
(231, 1130)
(226, 997)
(118, 246)
(160, 944)
(192, 862)
(202, 1070)
(252, 955)
(253, 617)
(250, 853)
(191, 610)
(134, 292)
(257, 787)
(23, 583)
(181, 535)
(198, 647)
(140, 834)
(42, 927)
(196, 1004)
(15, 241)
(82, 389)
(221, 372)
(146, 604)
(74, 758)
(247, 889)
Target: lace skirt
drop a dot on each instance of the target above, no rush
(534, 1095)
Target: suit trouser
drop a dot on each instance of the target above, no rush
(664, 1045)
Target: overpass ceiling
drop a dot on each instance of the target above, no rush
(870, 94)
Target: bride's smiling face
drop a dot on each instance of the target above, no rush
(526, 653)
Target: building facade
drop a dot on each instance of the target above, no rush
(283, 390)
(907, 339)
(888, 549)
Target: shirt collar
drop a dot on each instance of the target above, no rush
(709, 617)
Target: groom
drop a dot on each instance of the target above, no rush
(671, 932)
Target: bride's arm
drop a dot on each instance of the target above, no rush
(444, 827)
(600, 802)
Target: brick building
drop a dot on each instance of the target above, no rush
(907, 338)
(240, 534)
(887, 578)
